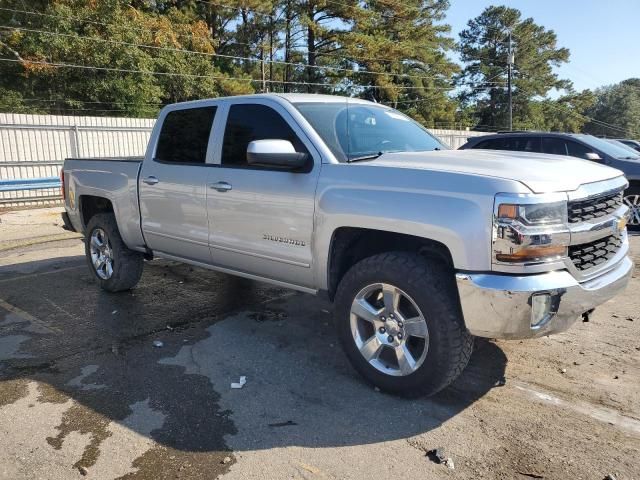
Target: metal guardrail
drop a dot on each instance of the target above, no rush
(17, 184)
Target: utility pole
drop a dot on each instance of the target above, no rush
(271, 49)
(510, 69)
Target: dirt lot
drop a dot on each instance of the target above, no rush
(84, 393)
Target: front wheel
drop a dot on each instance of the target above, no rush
(632, 200)
(114, 265)
(399, 321)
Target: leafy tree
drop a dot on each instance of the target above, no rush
(120, 44)
(616, 110)
(400, 48)
(483, 48)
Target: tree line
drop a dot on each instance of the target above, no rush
(130, 57)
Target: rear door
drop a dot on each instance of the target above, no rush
(173, 193)
(261, 219)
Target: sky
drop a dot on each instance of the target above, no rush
(603, 36)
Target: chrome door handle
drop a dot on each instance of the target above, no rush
(150, 180)
(221, 186)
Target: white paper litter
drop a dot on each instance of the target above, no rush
(240, 384)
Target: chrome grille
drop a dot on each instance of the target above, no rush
(594, 207)
(590, 255)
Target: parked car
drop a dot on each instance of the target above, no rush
(419, 247)
(620, 144)
(577, 145)
(635, 144)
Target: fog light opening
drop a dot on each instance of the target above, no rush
(541, 309)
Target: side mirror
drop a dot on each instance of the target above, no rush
(594, 157)
(275, 154)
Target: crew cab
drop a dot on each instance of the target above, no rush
(420, 247)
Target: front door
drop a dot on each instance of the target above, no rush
(173, 192)
(261, 220)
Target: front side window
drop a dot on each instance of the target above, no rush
(353, 130)
(578, 150)
(554, 146)
(249, 122)
(185, 135)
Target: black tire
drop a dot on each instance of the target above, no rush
(431, 286)
(127, 264)
(634, 193)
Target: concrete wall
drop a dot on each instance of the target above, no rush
(34, 146)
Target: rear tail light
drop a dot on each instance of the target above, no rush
(64, 193)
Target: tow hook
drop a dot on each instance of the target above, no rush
(586, 316)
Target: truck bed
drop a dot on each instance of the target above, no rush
(111, 178)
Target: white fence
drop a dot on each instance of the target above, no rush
(34, 146)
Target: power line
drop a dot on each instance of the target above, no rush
(214, 77)
(180, 35)
(215, 55)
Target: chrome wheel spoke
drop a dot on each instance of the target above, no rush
(371, 349)
(406, 362)
(415, 327)
(390, 297)
(108, 268)
(365, 310)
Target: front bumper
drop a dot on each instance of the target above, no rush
(527, 306)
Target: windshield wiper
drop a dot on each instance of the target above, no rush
(629, 158)
(370, 156)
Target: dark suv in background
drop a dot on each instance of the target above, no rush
(578, 145)
(630, 143)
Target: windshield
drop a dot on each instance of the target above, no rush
(608, 148)
(356, 131)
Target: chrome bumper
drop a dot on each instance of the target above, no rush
(515, 307)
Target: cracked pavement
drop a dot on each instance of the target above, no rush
(84, 393)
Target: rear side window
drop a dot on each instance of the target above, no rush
(246, 123)
(554, 146)
(525, 144)
(492, 144)
(185, 135)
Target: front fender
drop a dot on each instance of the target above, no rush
(455, 210)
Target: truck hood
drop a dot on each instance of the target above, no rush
(539, 172)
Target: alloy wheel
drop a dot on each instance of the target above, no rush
(101, 254)
(389, 329)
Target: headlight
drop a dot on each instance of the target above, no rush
(535, 213)
(529, 230)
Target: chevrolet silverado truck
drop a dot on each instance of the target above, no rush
(420, 247)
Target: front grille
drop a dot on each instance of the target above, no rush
(590, 255)
(590, 208)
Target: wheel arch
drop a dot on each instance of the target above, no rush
(349, 245)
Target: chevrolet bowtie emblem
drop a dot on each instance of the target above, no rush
(622, 222)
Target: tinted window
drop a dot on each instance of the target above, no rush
(554, 146)
(578, 150)
(525, 144)
(247, 123)
(185, 134)
(492, 144)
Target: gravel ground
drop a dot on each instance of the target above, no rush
(84, 393)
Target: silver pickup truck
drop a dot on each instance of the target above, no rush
(420, 247)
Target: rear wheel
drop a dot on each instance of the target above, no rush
(399, 321)
(632, 200)
(115, 267)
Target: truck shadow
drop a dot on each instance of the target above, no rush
(97, 349)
